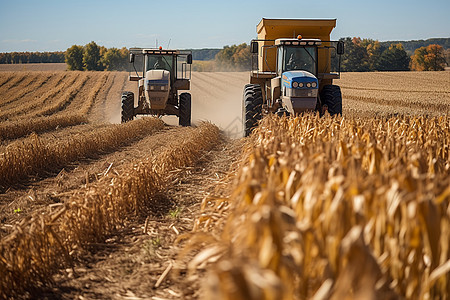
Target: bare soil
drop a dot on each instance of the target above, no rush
(130, 262)
(34, 67)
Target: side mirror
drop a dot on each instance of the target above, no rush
(132, 58)
(340, 48)
(254, 47)
(189, 59)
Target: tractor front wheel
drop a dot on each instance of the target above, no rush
(252, 107)
(127, 106)
(331, 96)
(184, 117)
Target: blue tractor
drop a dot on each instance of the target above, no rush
(292, 75)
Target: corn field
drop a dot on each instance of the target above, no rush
(334, 208)
(345, 207)
(45, 242)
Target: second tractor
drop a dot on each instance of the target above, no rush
(163, 74)
(293, 67)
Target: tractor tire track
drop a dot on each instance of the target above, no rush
(5, 77)
(18, 111)
(38, 82)
(58, 186)
(12, 93)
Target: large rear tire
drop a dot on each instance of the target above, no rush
(252, 107)
(127, 106)
(331, 96)
(184, 117)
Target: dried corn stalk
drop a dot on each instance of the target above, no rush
(336, 208)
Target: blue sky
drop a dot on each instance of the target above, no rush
(51, 25)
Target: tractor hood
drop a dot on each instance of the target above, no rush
(160, 78)
(300, 80)
(299, 91)
(157, 87)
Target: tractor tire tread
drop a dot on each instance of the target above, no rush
(184, 117)
(127, 106)
(332, 97)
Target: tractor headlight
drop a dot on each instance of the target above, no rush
(314, 84)
(295, 84)
(300, 84)
(308, 84)
(152, 87)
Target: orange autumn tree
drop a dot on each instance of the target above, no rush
(430, 58)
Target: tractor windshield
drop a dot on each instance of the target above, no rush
(300, 58)
(159, 62)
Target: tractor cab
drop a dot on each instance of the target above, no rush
(159, 62)
(297, 55)
(297, 72)
(163, 74)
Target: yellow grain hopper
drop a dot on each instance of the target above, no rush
(294, 63)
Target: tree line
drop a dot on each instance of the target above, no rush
(411, 46)
(31, 57)
(361, 55)
(204, 54)
(92, 57)
(364, 55)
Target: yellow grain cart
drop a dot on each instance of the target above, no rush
(294, 63)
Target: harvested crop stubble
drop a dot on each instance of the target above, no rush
(22, 127)
(16, 129)
(335, 208)
(70, 91)
(25, 87)
(31, 156)
(37, 99)
(5, 78)
(383, 93)
(14, 81)
(432, 103)
(45, 242)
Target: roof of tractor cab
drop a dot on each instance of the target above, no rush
(298, 42)
(155, 51)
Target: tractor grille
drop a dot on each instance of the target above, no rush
(288, 92)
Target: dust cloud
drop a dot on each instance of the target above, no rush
(115, 113)
(216, 97)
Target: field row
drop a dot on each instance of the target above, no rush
(388, 93)
(334, 208)
(44, 242)
(42, 101)
(32, 156)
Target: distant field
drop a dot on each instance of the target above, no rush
(34, 67)
(387, 93)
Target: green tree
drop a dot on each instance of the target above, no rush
(430, 58)
(374, 52)
(115, 59)
(92, 58)
(447, 56)
(394, 58)
(355, 58)
(242, 57)
(235, 57)
(223, 58)
(74, 58)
